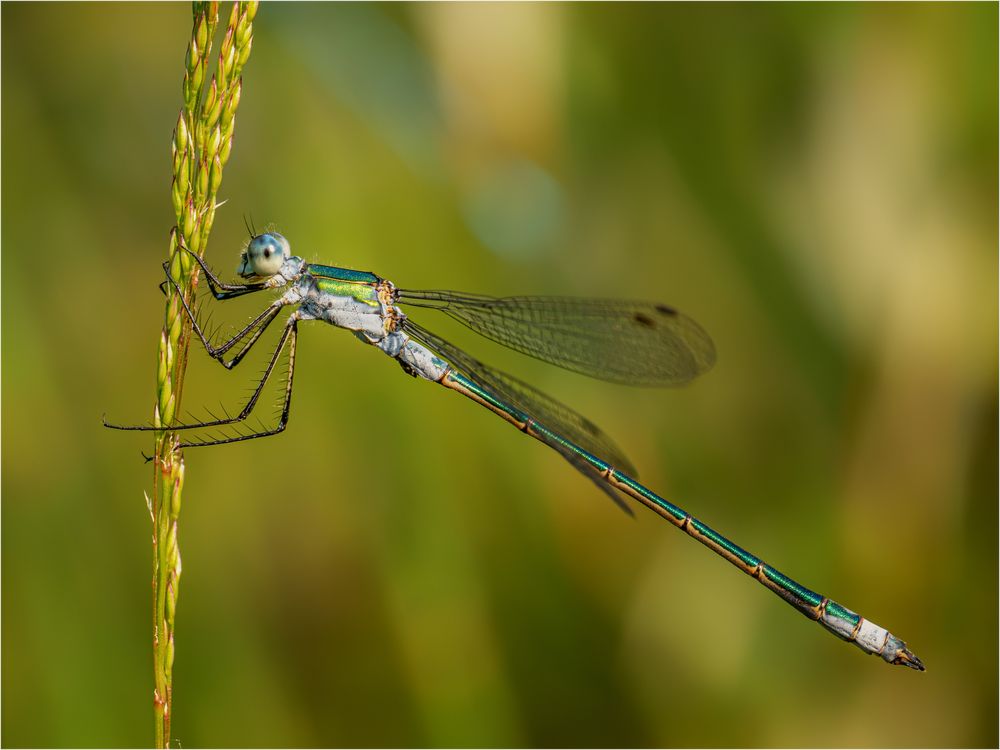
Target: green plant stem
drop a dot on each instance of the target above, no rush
(202, 143)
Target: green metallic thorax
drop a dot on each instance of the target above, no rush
(345, 282)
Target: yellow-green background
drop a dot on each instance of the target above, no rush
(815, 184)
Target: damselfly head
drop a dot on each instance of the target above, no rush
(264, 255)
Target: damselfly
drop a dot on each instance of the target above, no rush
(619, 341)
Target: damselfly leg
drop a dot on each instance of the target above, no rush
(220, 289)
(288, 336)
(255, 329)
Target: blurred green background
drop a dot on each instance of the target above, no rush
(816, 185)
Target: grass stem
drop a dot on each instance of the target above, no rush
(202, 143)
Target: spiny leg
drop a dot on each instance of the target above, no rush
(220, 289)
(289, 336)
(257, 326)
(267, 317)
(261, 322)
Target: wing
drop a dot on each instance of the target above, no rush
(544, 409)
(635, 343)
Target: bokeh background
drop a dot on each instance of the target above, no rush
(817, 185)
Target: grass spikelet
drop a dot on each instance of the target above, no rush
(200, 148)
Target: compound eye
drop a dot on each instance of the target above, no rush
(266, 254)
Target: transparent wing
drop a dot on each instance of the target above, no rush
(544, 409)
(635, 343)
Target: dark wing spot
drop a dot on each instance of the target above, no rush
(664, 310)
(644, 319)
